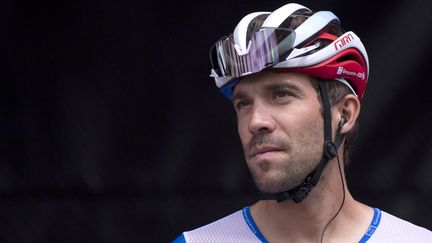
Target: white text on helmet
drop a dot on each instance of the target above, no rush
(342, 71)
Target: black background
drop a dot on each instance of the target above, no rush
(112, 131)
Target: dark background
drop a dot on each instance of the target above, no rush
(112, 131)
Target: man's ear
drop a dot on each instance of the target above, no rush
(349, 108)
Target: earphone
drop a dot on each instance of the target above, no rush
(342, 121)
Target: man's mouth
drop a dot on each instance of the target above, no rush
(264, 150)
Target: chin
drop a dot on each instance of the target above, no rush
(270, 185)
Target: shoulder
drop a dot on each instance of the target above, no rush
(231, 228)
(394, 229)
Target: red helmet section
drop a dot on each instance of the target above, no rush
(348, 64)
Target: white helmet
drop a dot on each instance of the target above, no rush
(317, 47)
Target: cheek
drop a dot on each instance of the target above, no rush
(303, 124)
(310, 132)
(243, 131)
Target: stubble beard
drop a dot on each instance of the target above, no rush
(283, 175)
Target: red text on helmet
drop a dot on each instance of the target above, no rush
(343, 41)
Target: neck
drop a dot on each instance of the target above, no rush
(305, 222)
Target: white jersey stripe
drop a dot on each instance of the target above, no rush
(240, 227)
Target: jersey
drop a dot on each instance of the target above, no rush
(241, 227)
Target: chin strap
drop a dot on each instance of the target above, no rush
(300, 192)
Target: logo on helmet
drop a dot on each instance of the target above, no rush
(343, 71)
(343, 40)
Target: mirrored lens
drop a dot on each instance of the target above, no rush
(266, 47)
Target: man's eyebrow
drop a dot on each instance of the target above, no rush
(238, 96)
(278, 86)
(271, 87)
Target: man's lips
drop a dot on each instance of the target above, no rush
(263, 150)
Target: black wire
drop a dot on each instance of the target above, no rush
(343, 200)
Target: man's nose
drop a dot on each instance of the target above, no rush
(261, 119)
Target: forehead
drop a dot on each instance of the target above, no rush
(261, 82)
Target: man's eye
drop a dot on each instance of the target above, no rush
(242, 104)
(281, 94)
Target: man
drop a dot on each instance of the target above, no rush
(296, 81)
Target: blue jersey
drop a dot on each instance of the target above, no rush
(241, 227)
